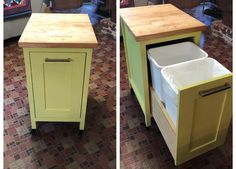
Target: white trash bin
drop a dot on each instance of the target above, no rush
(185, 74)
(160, 57)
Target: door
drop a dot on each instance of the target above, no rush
(205, 111)
(57, 85)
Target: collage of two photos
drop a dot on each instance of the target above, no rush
(62, 84)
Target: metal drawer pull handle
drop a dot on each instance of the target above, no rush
(214, 90)
(58, 60)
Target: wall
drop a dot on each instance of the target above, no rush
(184, 4)
(15, 27)
(226, 7)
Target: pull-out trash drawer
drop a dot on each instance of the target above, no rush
(198, 107)
(160, 57)
(186, 74)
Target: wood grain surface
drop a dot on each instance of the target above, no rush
(156, 21)
(57, 31)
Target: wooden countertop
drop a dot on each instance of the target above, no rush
(46, 30)
(157, 21)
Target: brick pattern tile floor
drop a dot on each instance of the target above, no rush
(57, 145)
(146, 149)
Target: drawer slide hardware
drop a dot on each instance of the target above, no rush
(214, 90)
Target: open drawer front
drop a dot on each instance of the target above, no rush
(203, 118)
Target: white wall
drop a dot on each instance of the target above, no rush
(15, 27)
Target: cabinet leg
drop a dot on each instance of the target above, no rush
(80, 133)
(81, 125)
(131, 90)
(81, 129)
(33, 125)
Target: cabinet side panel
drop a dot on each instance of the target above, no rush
(166, 128)
(29, 87)
(85, 88)
(137, 70)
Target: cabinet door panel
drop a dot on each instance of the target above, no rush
(57, 80)
(58, 84)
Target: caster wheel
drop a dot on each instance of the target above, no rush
(131, 90)
(33, 131)
(143, 124)
(80, 134)
(148, 128)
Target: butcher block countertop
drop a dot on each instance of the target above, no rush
(157, 21)
(46, 30)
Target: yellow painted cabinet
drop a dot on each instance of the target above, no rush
(202, 122)
(57, 84)
(58, 54)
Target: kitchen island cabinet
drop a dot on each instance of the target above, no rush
(202, 119)
(57, 54)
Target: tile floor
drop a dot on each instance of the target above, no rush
(57, 145)
(143, 148)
